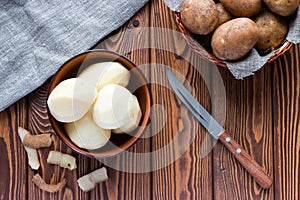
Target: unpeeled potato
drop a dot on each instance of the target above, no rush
(242, 8)
(234, 39)
(199, 17)
(223, 14)
(282, 7)
(272, 30)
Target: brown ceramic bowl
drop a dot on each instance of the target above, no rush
(138, 85)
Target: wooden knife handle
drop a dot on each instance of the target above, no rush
(254, 169)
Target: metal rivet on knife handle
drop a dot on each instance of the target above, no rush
(228, 139)
(256, 171)
(218, 132)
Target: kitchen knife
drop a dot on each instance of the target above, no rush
(218, 132)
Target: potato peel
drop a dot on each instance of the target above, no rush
(37, 141)
(61, 159)
(89, 181)
(33, 159)
(40, 183)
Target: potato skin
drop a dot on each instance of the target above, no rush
(199, 16)
(223, 15)
(234, 39)
(282, 7)
(272, 30)
(242, 8)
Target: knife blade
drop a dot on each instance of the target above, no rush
(218, 132)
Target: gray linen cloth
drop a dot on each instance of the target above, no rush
(37, 36)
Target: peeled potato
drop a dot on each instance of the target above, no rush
(71, 99)
(133, 118)
(85, 133)
(113, 105)
(94, 73)
(101, 74)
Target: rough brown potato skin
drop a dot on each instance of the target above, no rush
(223, 15)
(242, 8)
(199, 16)
(282, 7)
(272, 30)
(234, 39)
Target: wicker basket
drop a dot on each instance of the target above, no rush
(202, 52)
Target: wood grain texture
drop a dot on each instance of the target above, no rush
(262, 115)
(286, 95)
(38, 123)
(252, 167)
(122, 185)
(13, 155)
(33, 116)
(249, 122)
(190, 176)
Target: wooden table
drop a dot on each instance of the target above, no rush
(262, 114)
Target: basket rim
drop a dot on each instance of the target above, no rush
(202, 52)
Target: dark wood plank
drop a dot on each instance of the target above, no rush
(190, 176)
(34, 118)
(123, 185)
(13, 159)
(38, 122)
(262, 115)
(286, 95)
(249, 164)
(249, 122)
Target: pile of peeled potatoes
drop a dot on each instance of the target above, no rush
(237, 26)
(95, 104)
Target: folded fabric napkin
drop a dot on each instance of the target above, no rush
(36, 37)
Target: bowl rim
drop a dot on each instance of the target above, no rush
(89, 153)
